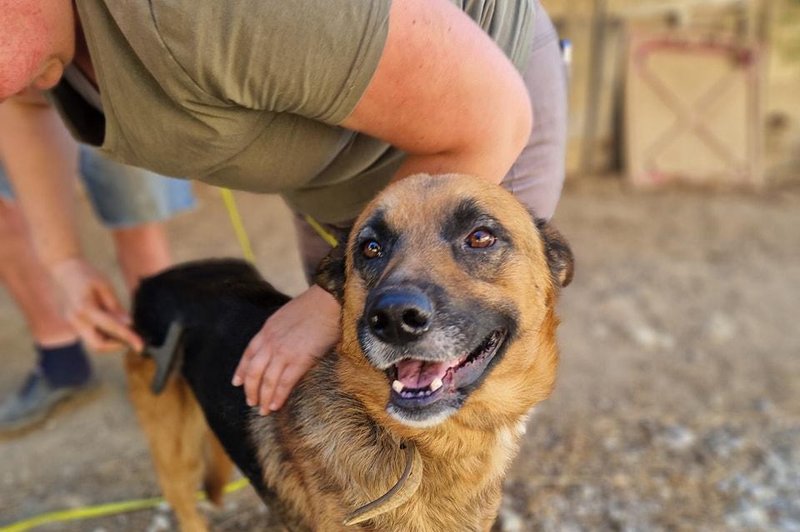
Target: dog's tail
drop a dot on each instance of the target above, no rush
(218, 469)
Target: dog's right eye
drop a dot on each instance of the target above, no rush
(371, 249)
(481, 238)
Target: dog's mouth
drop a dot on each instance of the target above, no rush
(417, 384)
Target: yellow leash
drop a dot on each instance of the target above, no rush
(241, 233)
(102, 510)
(238, 226)
(321, 231)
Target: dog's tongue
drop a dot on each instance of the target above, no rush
(416, 374)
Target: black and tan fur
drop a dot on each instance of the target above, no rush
(338, 442)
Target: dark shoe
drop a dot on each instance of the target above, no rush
(35, 400)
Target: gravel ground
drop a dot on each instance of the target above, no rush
(677, 403)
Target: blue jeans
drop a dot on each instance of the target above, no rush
(124, 196)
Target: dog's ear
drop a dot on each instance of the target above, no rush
(330, 272)
(559, 255)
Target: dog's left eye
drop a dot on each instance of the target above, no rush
(371, 249)
(481, 238)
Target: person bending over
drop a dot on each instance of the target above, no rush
(130, 202)
(323, 102)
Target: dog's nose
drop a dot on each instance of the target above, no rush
(399, 316)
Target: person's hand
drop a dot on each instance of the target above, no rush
(286, 347)
(92, 308)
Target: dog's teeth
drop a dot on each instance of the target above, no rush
(398, 386)
(436, 384)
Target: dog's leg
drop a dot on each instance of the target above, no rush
(175, 430)
(218, 470)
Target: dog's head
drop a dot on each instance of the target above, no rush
(449, 287)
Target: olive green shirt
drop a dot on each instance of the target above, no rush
(248, 94)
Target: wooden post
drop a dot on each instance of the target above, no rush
(595, 83)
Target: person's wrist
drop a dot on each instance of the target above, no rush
(325, 299)
(327, 316)
(59, 267)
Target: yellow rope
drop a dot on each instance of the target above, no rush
(321, 231)
(102, 510)
(241, 233)
(238, 226)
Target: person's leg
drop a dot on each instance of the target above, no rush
(132, 203)
(537, 176)
(63, 369)
(141, 251)
(28, 282)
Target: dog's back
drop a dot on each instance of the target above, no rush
(220, 305)
(207, 294)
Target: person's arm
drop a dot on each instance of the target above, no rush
(444, 93)
(41, 161)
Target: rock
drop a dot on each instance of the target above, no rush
(722, 442)
(509, 520)
(764, 406)
(748, 516)
(677, 438)
(159, 523)
(720, 328)
(650, 338)
(73, 501)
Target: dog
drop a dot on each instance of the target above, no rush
(448, 287)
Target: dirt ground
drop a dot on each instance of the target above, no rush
(678, 402)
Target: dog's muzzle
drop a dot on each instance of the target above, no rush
(398, 316)
(435, 350)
